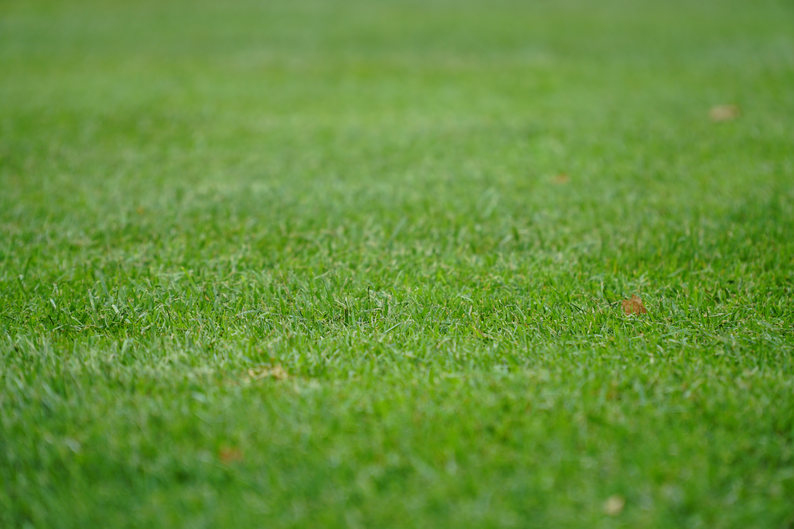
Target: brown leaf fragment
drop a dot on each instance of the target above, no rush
(614, 505)
(230, 455)
(724, 112)
(561, 178)
(634, 305)
(613, 394)
(259, 373)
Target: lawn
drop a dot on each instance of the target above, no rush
(361, 264)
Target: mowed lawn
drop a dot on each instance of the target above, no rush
(360, 263)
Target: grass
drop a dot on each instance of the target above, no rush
(310, 264)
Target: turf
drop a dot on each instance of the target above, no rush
(314, 264)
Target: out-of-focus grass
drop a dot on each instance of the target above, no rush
(364, 194)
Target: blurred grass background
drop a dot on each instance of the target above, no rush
(367, 195)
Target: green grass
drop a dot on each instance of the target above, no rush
(193, 194)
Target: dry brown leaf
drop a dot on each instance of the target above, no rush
(561, 178)
(613, 394)
(614, 505)
(724, 112)
(230, 455)
(259, 373)
(634, 305)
